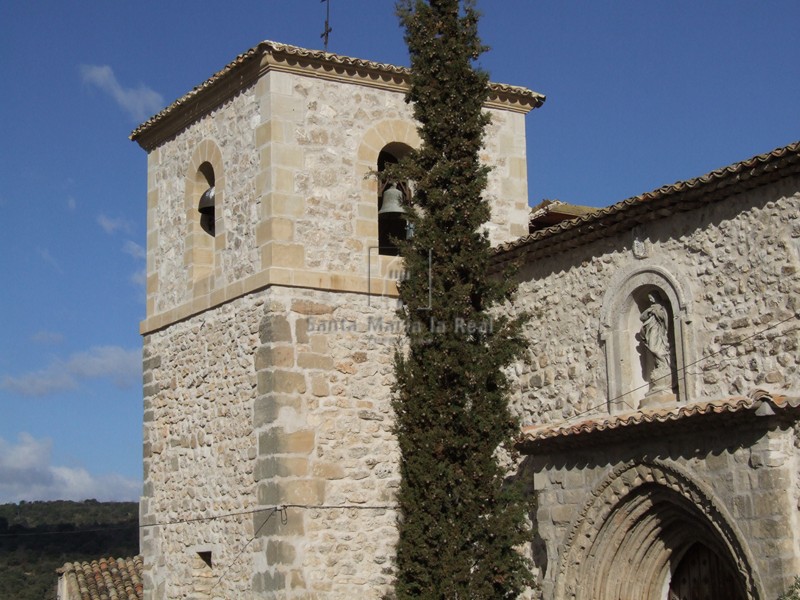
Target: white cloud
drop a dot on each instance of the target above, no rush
(139, 277)
(134, 249)
(45, 255)
(71, 203)
(139, 103)
(47, 337)
(110, 225)
(26, 473)
(122, 366)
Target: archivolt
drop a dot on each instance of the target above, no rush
(638, 524)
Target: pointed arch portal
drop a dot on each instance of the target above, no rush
(650, 533)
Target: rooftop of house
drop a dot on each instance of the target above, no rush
(101, 579)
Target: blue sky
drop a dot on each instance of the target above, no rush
(640, 94)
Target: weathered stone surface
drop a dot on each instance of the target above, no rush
(199, 434)
(278, 441)
(275, 328)
(306, 307)
(281, 382)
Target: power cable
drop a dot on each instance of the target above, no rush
(282, 507)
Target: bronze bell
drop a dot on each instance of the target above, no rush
(206, 206)
(392, 199)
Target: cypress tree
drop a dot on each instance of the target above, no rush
(460, 520)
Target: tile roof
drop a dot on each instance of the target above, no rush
(104, 579)
(322, 63)
(552, 212)
(666, 200)
(758, 403)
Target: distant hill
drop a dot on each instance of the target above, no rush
(36, 538)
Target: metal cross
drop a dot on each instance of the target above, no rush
(328, 29)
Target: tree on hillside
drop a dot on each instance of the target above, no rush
(460, 522)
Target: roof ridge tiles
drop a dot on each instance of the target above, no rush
(765, 165)
(733, 404)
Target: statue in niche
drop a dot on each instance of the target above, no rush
(655, 336)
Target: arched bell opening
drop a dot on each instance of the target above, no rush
(203, 204)
(206, 205)
(393, 198)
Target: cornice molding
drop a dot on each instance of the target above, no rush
(267, 56)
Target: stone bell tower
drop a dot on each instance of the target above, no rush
(269, 463)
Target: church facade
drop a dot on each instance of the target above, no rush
(659, 394)
(660, 391)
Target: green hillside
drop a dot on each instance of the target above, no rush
(36, 538)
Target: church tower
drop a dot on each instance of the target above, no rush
(269, 462)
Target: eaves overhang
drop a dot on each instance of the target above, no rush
(652, 206)
(246, 68)
(645, 424)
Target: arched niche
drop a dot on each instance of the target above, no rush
(205, 235)
(632, 380)
(631, 538)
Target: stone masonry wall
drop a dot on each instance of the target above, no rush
(737, 261)
(280, 398)
(200, 449)
(323, 423)
(231, 127)
(322, 140)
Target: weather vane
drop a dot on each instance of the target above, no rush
(327, 32)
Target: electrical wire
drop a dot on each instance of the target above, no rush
(281, 507)
(255, 535)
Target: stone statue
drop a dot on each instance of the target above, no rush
(655, 335)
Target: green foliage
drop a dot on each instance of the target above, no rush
(461, 518)
(793, 593)
(30, 553)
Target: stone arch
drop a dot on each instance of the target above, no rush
(389, 133)
(203, 240)
(626, 367)
(637, 526)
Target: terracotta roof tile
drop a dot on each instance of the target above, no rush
(103, 579)
(552, 212)
(759, 402)
(669, 199)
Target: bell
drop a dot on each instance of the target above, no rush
(392, 201)
(206, 206)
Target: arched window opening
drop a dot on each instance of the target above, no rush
(206, 205)
(393, 198)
